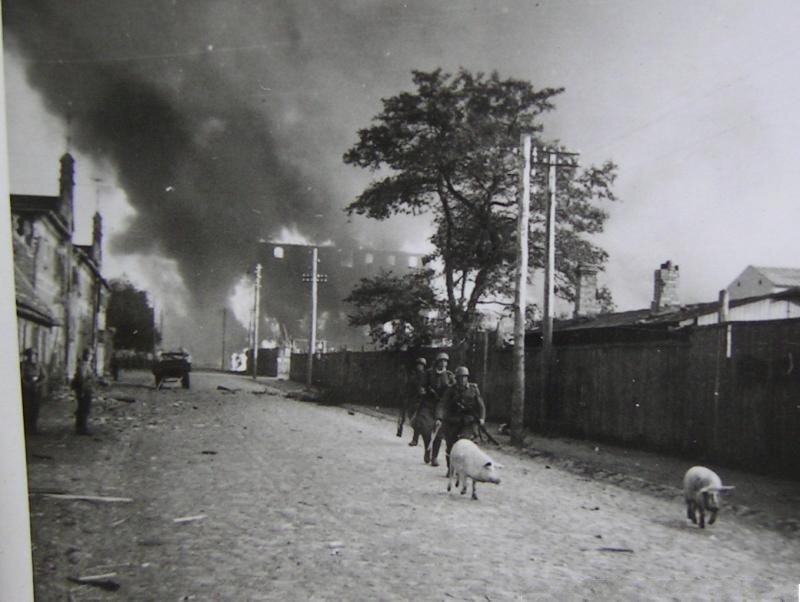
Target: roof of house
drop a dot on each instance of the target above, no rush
(781, 276)
(645, 323)
(29, 305)
(36, 203)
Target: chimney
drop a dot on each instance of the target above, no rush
(97, 239)
(665, 294)
(586, 292)
(66, 188)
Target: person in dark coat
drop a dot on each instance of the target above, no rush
(440, 379)
(83, 386)
(460, 411)
(416, 388)
(32, 383)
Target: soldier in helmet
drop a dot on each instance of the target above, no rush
(460, 411)
(83, 386)
(416, 388)
(440, 379)
(33, 382)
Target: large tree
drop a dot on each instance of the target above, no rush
(450, 149)
(396, 308)
(130, 314)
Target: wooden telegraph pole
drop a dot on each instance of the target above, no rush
(549, 280)
(224, 319)
(256, 302)
(520, 300)
(314, 278)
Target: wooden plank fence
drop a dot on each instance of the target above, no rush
(726, 394)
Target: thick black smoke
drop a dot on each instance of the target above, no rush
(213, 115)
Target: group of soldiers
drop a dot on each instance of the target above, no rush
(441, 404)
(34, 390)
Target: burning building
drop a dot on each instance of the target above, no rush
(286, 294)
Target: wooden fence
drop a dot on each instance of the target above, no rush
(727, 394)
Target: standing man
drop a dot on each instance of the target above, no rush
(33, 381)
(440, 379)
(83, 385)
(459, 410)
(416, 387)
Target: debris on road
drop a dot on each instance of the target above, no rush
(303, 395)
(209, 452)
(623, 550)
(102, 581)
(225, 389)
(189, 519)
(86, 498)
(42, 457)
(267, 391)
(125, 399)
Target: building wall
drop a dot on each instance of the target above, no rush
(40, 252)
(765, 309)
(751, 283)
(64, 277)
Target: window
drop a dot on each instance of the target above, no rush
(391, 260)
(412, 261)
(369, 259)
(277, 252)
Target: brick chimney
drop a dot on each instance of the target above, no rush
(586, 303)
(66, 189)
(665, 294)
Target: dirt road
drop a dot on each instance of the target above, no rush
(278, 499)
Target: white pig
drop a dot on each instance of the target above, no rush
(468, 461)
(701, 489)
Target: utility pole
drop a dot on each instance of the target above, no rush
(224, 318)
(550, 260)
(257, 296)
(549, 279)
(520, 300)
(314, 278)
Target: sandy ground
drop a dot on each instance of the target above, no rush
(279, 499)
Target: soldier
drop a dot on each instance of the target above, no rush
(33, 380)
(83, 385)
(459, 410)
(416, 386)
(440, 379)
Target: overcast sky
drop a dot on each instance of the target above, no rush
(697, 102)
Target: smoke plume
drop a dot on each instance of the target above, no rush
(212, 114)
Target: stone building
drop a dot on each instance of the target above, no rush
(61, 295)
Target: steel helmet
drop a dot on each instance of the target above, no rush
(462, 371)
(422, 360)
(442, 356)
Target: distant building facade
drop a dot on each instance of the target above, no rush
(61, 295)
(286, 298)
